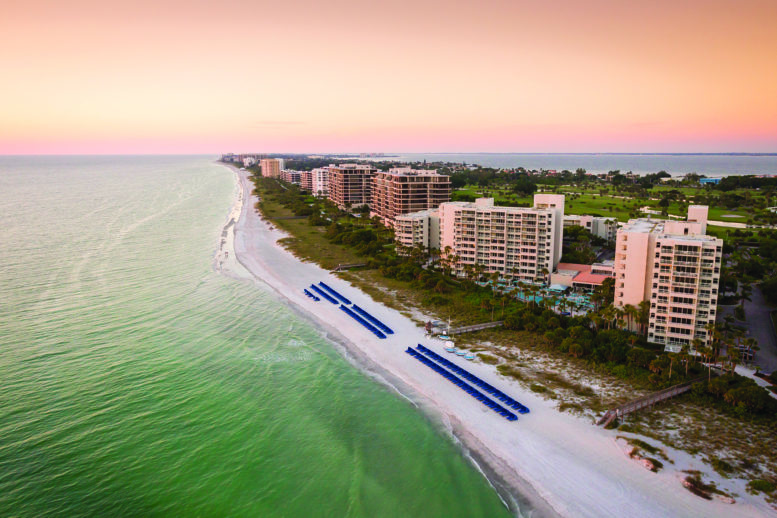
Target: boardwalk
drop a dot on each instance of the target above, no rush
(475, 327)
(647, 401)
(344, 267)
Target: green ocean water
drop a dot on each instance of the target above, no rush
(137, 381)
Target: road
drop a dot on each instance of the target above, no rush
(759, 326)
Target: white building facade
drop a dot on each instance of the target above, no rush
(519, 242)
(675, 266)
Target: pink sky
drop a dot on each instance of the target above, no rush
(297, 76)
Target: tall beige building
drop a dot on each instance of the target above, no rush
(520, 242)
(675, 266)
(405, 190)
(350, 185)
(271, 167)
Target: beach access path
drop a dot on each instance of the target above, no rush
(561, 463)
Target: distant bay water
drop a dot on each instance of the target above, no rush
(137, 381)
(674, 164)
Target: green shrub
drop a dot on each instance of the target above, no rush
(506, 370)
(759, 485)
(721, 466)
(487, 358)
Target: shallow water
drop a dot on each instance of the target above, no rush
(638, 163)
(138, 381)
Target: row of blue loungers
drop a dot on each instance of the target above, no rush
(374, 325)
(334, 292)
(315, 299)
(377, 323)
(324, 295)
(474, 379)
(496, 407)
(363, 322)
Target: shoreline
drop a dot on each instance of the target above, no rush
(560, 464)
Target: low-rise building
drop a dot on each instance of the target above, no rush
(418, 229)
(291, 176)
(605, 228)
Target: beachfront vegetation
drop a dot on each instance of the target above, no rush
(330, 236)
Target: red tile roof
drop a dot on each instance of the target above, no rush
(575, 267)
(590, 278)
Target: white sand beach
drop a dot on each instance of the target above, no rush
(563, 464)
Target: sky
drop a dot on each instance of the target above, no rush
(157, 76)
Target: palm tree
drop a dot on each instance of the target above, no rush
(685, 357)
(643, 316)
(707, 351)
(608, 314)
(752, 344)
(733, 358)
(696, 343)
(494, 277)
(533, 290)
(503, 299)
(714, 334)
(631, 314)
(619, 312)
(597, 321)
(671, 363)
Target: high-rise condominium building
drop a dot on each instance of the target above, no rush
(319, 182)
(675, 266)
(306, 181)
(271, 167)
(402, 190)
(520, 242)
(350, 185)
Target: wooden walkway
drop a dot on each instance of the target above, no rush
(475, 327)
(343, 267)
(647, 401)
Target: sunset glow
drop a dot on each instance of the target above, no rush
(296, 76)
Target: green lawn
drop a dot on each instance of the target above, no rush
(591, 202)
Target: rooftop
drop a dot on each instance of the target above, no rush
(659, 226)
(574, 267)
(407, 171)
(590, 278)
(418, 215)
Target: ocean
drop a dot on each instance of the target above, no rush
(139, 381)
(674, 164)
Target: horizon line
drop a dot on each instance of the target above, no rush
(390, 154)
